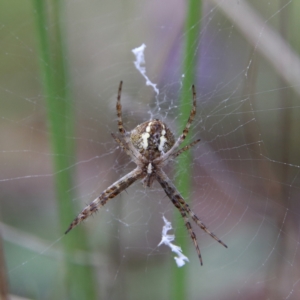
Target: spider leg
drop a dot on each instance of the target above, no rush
(119, 110)
(185, 132)
(121, 144)
(191, 117)
(110, 193)
(185, 148)
(173, 195)
(129, 150)
(198, 222)
(172, 192)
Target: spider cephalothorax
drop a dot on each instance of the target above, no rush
(150, 145)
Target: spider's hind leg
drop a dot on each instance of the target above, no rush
(199, 223)
(110, 193)
(184, 208)
(173, 194)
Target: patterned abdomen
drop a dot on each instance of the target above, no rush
(152, 138)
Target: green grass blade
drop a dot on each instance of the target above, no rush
(78, 280)
(192, 26)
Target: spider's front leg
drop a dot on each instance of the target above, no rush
(121, 144)
(110, 193)
(119, 110)
(185, 148)
(182, 137)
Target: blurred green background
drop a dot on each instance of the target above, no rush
(245, 179)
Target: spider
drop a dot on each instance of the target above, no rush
(150, 145)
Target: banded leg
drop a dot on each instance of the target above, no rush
(169, 185)
(121, 144)
(198, 222)
(185, 132)
(110, 193)
(191, 117)
(185, 148)
(119, 110)
(129, 150)
(172, 194)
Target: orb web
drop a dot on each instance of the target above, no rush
(245, 170)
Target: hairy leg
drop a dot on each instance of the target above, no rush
(110, 193)
(122, 144)
(185, 148)
(173, 195)
(185, 132)
(119, 110)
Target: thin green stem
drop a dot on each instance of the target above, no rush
(192, 25)
(78, 280)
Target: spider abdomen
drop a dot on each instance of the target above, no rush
(152, 138)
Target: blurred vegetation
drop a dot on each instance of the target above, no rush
(78, 280)
(184, 166)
